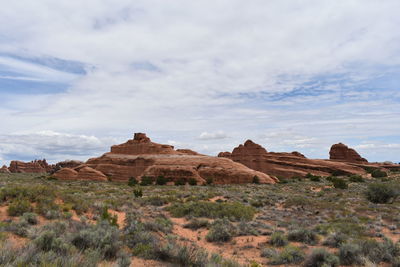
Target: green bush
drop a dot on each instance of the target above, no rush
(192, 181)
(196, 224)
(30, 217)
(356, 179)
(138, 192)
(339, 183)
(146, 180)
(377, 173)
(132, 181)
(102, 236)
(289, 255)
(336, 239)
(320, 257)
(350, 254)
(256, 180)
(161, 180)
(222, 230)
(106, 216)
(48, 241)
(278, 239)
(47, 208)
(180, 181)
(232, 210)
(303, 235)
(209, 180)
(313, 178)
(19, 207)
(382, 193)
(160, 224)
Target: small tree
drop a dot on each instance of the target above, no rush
(377, 173)
(132, 181)
(180, 181)
(138, 192)
(192, 181)
(146, 180)
(256, 180)
(161, 180)
(339, 183)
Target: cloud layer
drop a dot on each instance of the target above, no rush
(292, 75)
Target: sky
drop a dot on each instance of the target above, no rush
(292, 75)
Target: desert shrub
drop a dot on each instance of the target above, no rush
(221, 230)
(18, 228)
(19, 207)
(196, 224)
(209, 180)
(377, 173)
(289, 255)
(136, 237)
(256, 180)
(106, 216)
(191, 256)
(138, 192)
(102, 236)
(297, 201)
(356, 179)
(30, 217)
(161, 180)
(156, 200)
(314, 178)
(339, 183)
(161, 224)
(180, 181)
(377, 252)
(269, 253)
(278, 239)
(320, 257)
(382, 193)
(32, 193)
(246, 228)
(336, 239)
(132, 181)
(303, 235)
(47, 208)
(350, 254)
(192, 181)
(146, 180)
(48, 241)
(338, 173)
(232, 210)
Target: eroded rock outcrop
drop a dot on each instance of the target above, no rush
(341, 152)
(140, 157)
(4, 169)
(65, 164)
(285, 165)
(35, 166)
(81, 172)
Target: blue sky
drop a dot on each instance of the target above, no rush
(76, 78)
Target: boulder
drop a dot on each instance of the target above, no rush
(341, 152)
(66, 174)
(286, 165)
(140, 157)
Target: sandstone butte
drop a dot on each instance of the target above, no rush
(36, 166)
(341, 152)
(286, 165)
(140, 157)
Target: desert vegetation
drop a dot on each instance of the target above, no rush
(314, 221)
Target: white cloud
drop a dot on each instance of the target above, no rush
(207, 59)
(213, 136)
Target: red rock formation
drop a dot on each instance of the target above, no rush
(341, 152)
(81, 172)
(285, 165)
(36, 166)
(65, 164)
(140, 157)
(4, 169)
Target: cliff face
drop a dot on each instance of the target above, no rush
(286, 165)
(36, 166)
(140, 157)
